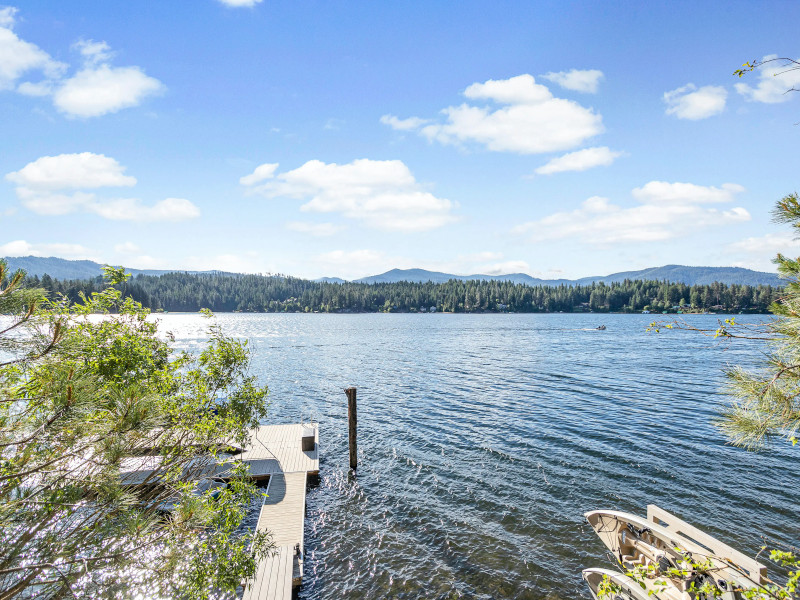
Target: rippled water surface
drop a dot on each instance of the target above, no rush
(483, 439)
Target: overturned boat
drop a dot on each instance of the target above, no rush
(673, 559)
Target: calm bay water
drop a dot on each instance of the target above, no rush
(483, 439)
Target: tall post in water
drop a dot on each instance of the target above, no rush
(352, 420)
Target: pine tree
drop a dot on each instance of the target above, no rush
(768, 400)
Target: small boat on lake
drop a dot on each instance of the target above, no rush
(602, 328)
(673, 557)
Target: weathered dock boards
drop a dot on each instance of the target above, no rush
(277, 451)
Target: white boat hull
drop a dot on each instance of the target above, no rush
(624, 588)
(660, 544)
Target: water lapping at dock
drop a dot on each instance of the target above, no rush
(483, 439)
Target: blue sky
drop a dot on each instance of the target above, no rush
(344, 139)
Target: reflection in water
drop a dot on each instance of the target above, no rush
(483, 439)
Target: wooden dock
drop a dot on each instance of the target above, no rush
(277, 452)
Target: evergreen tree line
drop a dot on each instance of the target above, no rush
(274, 293)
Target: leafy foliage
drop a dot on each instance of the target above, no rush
(701, 576)
(116, 472)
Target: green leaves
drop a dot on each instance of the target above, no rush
(110, 444)
(747, 67)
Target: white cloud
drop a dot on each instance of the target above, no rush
(94, 52)
(18, 57)
(531, 122)
(239, 3)
(132, 209)
(7, 16)
(767, 245)
(381, 193)
(774, 79)
(315, 229)
(55, 185)
(46, 202)
(521, 89)
(96, 89)
(39, 89)
(23, 248)
(662, 192)
(689, 102)
(577, 80)
(102, 89)
(261, 172)
(666, 211)
(758, 252)
(580, 161)
(72, 171)
(403, 124)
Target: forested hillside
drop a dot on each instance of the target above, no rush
(259, 293)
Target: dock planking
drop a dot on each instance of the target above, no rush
(277, 451)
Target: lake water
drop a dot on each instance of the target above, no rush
(483, 439)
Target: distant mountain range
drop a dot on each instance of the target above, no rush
(60, 268)
(673, 273)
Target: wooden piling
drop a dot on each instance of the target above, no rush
(352, 420)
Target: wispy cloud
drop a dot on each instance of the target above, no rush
(132, 209)
(577, 80)
(581, 160)
(408, 124)
(665, 211)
